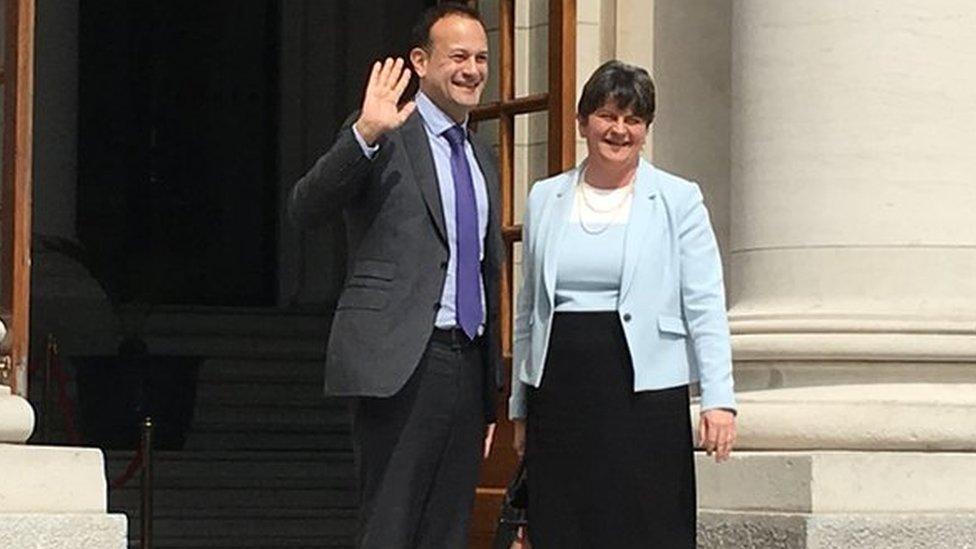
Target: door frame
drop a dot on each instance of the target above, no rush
(17, 79)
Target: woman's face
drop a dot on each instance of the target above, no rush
(613, 134)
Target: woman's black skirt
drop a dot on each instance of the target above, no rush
(608, 467)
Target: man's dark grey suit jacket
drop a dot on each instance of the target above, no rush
(397, 258)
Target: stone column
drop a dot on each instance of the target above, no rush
(853, 276)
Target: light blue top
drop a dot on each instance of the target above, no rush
(436, 122)
(590, 265)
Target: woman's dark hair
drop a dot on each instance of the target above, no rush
(629, 86)
(420, 35)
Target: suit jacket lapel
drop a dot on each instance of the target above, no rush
(561, 205)
(418, 151)
(641, 220)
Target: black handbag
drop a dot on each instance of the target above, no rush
(514, 508)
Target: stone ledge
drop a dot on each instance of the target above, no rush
(888, 416)
(759, 530)
(839, 482)
(51, 479)
(68, 531)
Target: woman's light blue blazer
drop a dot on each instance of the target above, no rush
(672, 299)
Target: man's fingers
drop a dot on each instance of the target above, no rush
(374, 75)
(402, 83)
(393, 73)
(384, 78)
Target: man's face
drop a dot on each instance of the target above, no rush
(453, 73)
(614, 134)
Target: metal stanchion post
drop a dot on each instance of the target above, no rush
(147, 484)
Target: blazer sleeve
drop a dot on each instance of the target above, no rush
(703, 304)
(334, 180)
(522, 336)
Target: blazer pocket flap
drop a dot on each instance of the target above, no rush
(672, 325)
(356, 297)
(374, 268)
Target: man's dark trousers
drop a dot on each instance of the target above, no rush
(427, 435)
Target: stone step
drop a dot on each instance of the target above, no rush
(261, 542)
(342, 497)
(226, 474)
(279, 394)
(266, 524)
(222, 439)
(250, 370)
(236, 320)
(229, 464)
(220, 345)
(212, 417)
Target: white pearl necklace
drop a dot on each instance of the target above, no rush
(582, 200)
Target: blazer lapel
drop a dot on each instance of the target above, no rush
(560, 206)
(641, 220)
(418, 151)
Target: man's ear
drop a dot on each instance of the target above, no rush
(580, 124)
(418, 59)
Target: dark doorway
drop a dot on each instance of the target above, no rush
(177, 191)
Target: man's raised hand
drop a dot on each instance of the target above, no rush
(381, 112)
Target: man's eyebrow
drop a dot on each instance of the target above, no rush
(460, 49)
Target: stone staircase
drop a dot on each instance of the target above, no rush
(267, 461)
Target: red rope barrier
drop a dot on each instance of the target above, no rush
(65, 404)
(130, 471)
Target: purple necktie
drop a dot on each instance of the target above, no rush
(468, 284)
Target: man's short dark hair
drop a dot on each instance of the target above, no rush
(420, 35)
(628, 86)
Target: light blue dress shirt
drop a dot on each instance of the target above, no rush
(436, 122)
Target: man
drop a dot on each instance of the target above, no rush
(415, 337)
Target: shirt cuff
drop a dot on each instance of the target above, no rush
(369, 151)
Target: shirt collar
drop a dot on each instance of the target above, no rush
(436, 120)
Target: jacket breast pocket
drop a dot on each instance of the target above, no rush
(672, 325)
(373, 270)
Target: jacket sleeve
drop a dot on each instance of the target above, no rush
(522, 336)
(334, 180)
(703, 304)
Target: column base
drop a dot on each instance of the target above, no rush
(851, 500)
(51, 479)
(63, 531)
(768, 530)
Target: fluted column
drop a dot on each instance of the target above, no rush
(853, 227)
(854, 180)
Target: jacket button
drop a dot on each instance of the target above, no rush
(443, 265)
(437, 306)
(626, 317)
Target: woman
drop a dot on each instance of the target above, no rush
(621, 308)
